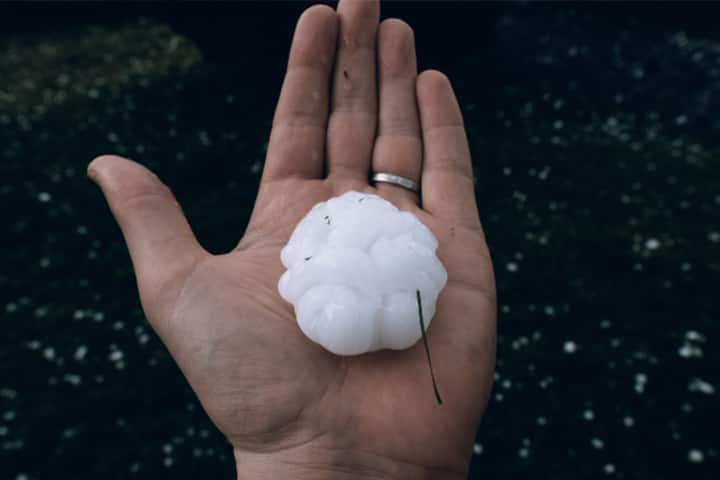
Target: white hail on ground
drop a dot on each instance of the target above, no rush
(354, 264)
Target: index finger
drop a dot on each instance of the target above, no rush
(297, 141)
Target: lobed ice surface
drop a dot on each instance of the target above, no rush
(354, 264)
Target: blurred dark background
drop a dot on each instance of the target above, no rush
(594, 130)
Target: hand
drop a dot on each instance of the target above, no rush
(287, 406)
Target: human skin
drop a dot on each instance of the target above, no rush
(351, 102)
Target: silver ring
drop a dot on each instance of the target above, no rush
(404, 182)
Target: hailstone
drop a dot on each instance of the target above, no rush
(354, 264)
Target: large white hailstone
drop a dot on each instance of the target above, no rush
(354, 265)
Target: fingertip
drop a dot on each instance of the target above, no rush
(432, 80)
(99, 164)
(396, 26)
(437, 101)
(320, 15)
(114, 173)
(396, 50)
(322, 10)
(314, 38)
(361, 8)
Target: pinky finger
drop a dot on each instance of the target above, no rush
(447, 179)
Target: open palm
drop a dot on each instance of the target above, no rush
(286, 405)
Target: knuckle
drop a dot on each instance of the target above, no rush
(146, 196)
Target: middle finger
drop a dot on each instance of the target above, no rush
(353, 117)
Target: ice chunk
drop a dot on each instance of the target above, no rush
(354, 264)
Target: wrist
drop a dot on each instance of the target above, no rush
(318, 461)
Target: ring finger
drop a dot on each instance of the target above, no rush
(398, 146)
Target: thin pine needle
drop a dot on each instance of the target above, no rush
(427, 348)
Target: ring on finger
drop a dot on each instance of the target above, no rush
(400, 181)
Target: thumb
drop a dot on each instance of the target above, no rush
(162, 246)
